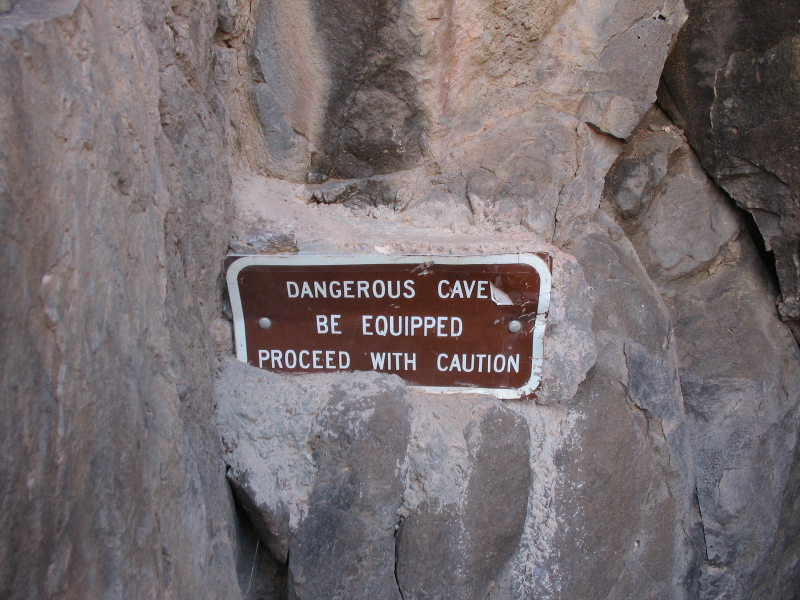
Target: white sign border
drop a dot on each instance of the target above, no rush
(540, 322)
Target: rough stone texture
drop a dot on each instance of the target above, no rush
(113, 199)
(739, 363)
(660, 459)
(631, 399)
(7, 5)
(261, 576)
(629, 458)
(732, 83)
(270, 210)
(327, 466)
(345, 545)
(320, 94)
(471, 540)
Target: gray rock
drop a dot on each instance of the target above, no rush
(407, 82)
(613, 456)
(679, 221)
(327, 466)
(629, 457)
(114, 194)
(447, 128)
(281, 139)
(345, 546)
(260, 575)
(7, 5)
(374, 120)
(740, 377)
(457, 550)
(739, 364)
(257, 238)
(571, 348)
(318, 468)
(356, 193)
(730, 83)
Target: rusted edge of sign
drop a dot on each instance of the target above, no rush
(542, 264)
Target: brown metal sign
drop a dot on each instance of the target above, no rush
(446, 323)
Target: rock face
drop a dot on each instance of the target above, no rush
(337, 457)
(141, 140)
(474, 537)
(113, 204)
(405, 82)
(345, 545)
(731, 82)
(738, 363)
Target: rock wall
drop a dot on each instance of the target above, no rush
(738, 363)
(143, 140)
(113, 202)
(731, 83)
(407, 80)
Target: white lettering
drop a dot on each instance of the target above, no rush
(378, 360)
(466, 363)
(501, 360)
(409, 285)
(482, 285)
(335, 324)
(430, 323)
(416, 323)
(391, 361)
(441, 283)
(363, 287)
(381, 329)
(322, 324)
(453, 321)
(292, 289)
(440, 323)
(304, 359)
(399, 325)
(347, 291)
(306, 291)
(338, 292)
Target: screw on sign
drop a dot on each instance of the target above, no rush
(443, 323)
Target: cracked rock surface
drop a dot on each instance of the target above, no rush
(140, 141)
(738, 363)
(731, 82)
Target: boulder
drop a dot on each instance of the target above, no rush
(738, 362)
(360, 485)
(731, 83)
(456, 549)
